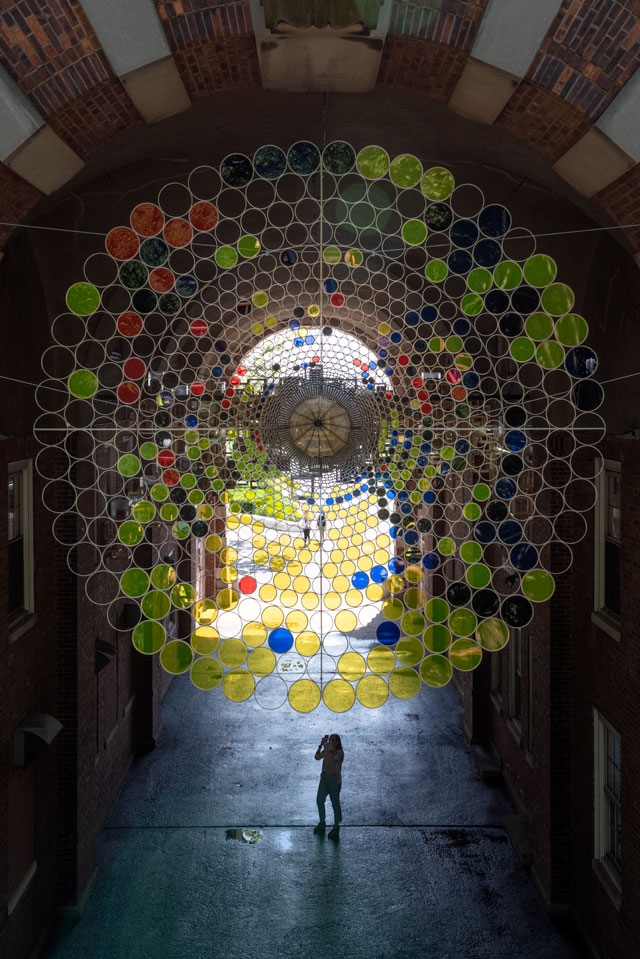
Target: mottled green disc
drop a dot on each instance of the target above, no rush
(437, 610)
(181, 530)
(226, 257)
(507, 275)
(435, 670)
(471, 304)
(163, 576)
(465, 654)
(412, 623)
(372, 162)
(404, 683)
(493, 634)
(183, 595)
(538, 585)
(169, 512)
(437, 183)
(539, 326)
(540, 270)
(134, 582)
(414, 232)
(558, 299)
(130, 533)
(155, 605)
(409, 651)
(472, 512)
(148, 637)
(571, 330)
(159, 492)
(447, 546)
(206, 673)
(522, 349)
(437, 638)
(550, 355)
(480, 280)
(463, 622)
(83, 299)
(176, 656)
(83, 384)
(436, 271)
(405, 171)
(129, 465)
(148, 451)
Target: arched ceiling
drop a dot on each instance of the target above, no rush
(559, 77)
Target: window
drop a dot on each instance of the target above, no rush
(607, 549)
(515, 676)
(20, 540)
(607, 806)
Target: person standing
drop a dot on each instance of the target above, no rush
(331, 753)
(306, 529)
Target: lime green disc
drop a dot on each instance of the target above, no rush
(435, 670)
(447, 546)
(478, 576)
(481, 492)
(206, 673)
(260, 299)
(248, 246)
(437, 638)
(405, 171)
(148, 451)
(538, 585)
(472, 512)
(226, 257)
(392, 608)
(183, 595)
(454, 344)
(155, 605)
(159, 492)
(507, 275)
(437, 610)
(571, 330)
(83, 384)
(436, 271)
(332, 255)
(134, 583)
(539, 326)
(437, 183)
(353, 258)
(130, 533)
(148, 637)
(372, 162)
(176, 656)
(549, 355)
(465, 654)
(412, 623)
(493, 634)
(83, 299)
(169, 512)
(540, 270)
(163, 576)
(471, 551)
(480, 280)
(409, 651)
(558, 299)
(463, 622)
(522, 349)
(414, 232)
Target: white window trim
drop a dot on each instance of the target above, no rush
(608, 622)
(603, 866)
(24, 618)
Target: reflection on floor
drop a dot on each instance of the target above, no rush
(422, 868)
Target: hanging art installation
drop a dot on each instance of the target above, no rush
(319, 426)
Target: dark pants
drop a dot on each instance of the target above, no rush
(306, 533)
(329, 786)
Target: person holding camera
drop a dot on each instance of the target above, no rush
(331, 753)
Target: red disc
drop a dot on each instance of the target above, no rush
(197, 389)
(458, 393)
(234, 382)
(453, 376)
(229, 391)
(198, 328)
(337, 299)
(128, 392)
(129, 324)
(122, 243)
(247, 584)
(417, 382)
(134, 369)
(170, 477)
(225, 404)
(403, 359)
(166, 458)
(426, 408)
(423, 395)
(242, 370)
(357, 362)
(147, 219)
(161, 279)
(178, 232)
(203, 216)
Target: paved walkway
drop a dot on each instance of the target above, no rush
(422, 869)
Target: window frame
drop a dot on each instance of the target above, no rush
(605, 864)
(22, 619)
(602, 617)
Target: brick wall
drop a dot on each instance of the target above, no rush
(544, 120)
(18, 197)
(621, 200)
(425, 66)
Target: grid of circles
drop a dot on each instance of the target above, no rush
(229, 287)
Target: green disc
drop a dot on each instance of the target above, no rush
(478, 576)
(540, 270)
(83, 384)
(522, 349)
(404, 683)
(480, 280)
(409, 651)
(447, 546)
(437, 639)
(129, 465)
(463, 622)
(414, 232)
(539, 326)
(159, 492)
(471, 304)
(226, 257)
(133, 274)
(148, 637)
(248, 246)
(181, 530)
(176, 657)
(332, 255)
(206, 673)
(436, 271)
(134, 582)
(549, 355)
(571, 330)
(169, 512)
(130, 533)
(472, 512)
(493, 634)
(372, 162)
(83, 299)
(260, 298)
(435, 670)
(465, 654)
(481, 492)
(558, 299)
(412, 623)
(538, 585)
(392, 608)
(405, 171)
(148, 451)
(183, 595)
(507, 275)
(471, 551)
(155, 605)
(437, 183)
(143, 511)
(437, 610)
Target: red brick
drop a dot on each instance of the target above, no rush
(424, 66)
(543, 120)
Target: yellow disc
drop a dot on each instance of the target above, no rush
(238, 685)
(374, 592)
(372, 521)
(205, 612)
(372, 691)
(304, 556)
(332, 601)
(254, 634)
(436, 670)
(337, 555)
(228, 574)
(301, 584)
(395, 584)
(282, 581)
(341, 584)
(404, 682)
(232, 653)
(227, 599)
(307, 643)
(352, 666)
(261, 662)
(381, 556)
(260, 557)
(268, 593)
(409, 651)
(228, 555)
(288, 598)
(413, 574)
(284, 539)
(272, 616)
(347, 568)
(289, 553)
(310, 600)
(277, 563)
(368, 548)
(232, 522)
(392, 608)
(354, 597)
(353, 553)
(415, 598)
(296, 621)
(346, 621)
(360, 528)
(329, 570)
(338, 696)
(273, 549)
(381, 660)
(205, 640)
(213, 543)
(206, 673)
(382, 540)
(304, 695)
(294, 567)
(258, 541)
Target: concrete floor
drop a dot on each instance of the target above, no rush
(422, 869)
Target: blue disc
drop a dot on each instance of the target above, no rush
(379, 574)
(523, 557)
(510, 532)
(388, 633)
(330, 285)
(431, 561)
(280, 640)
(360, 580)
